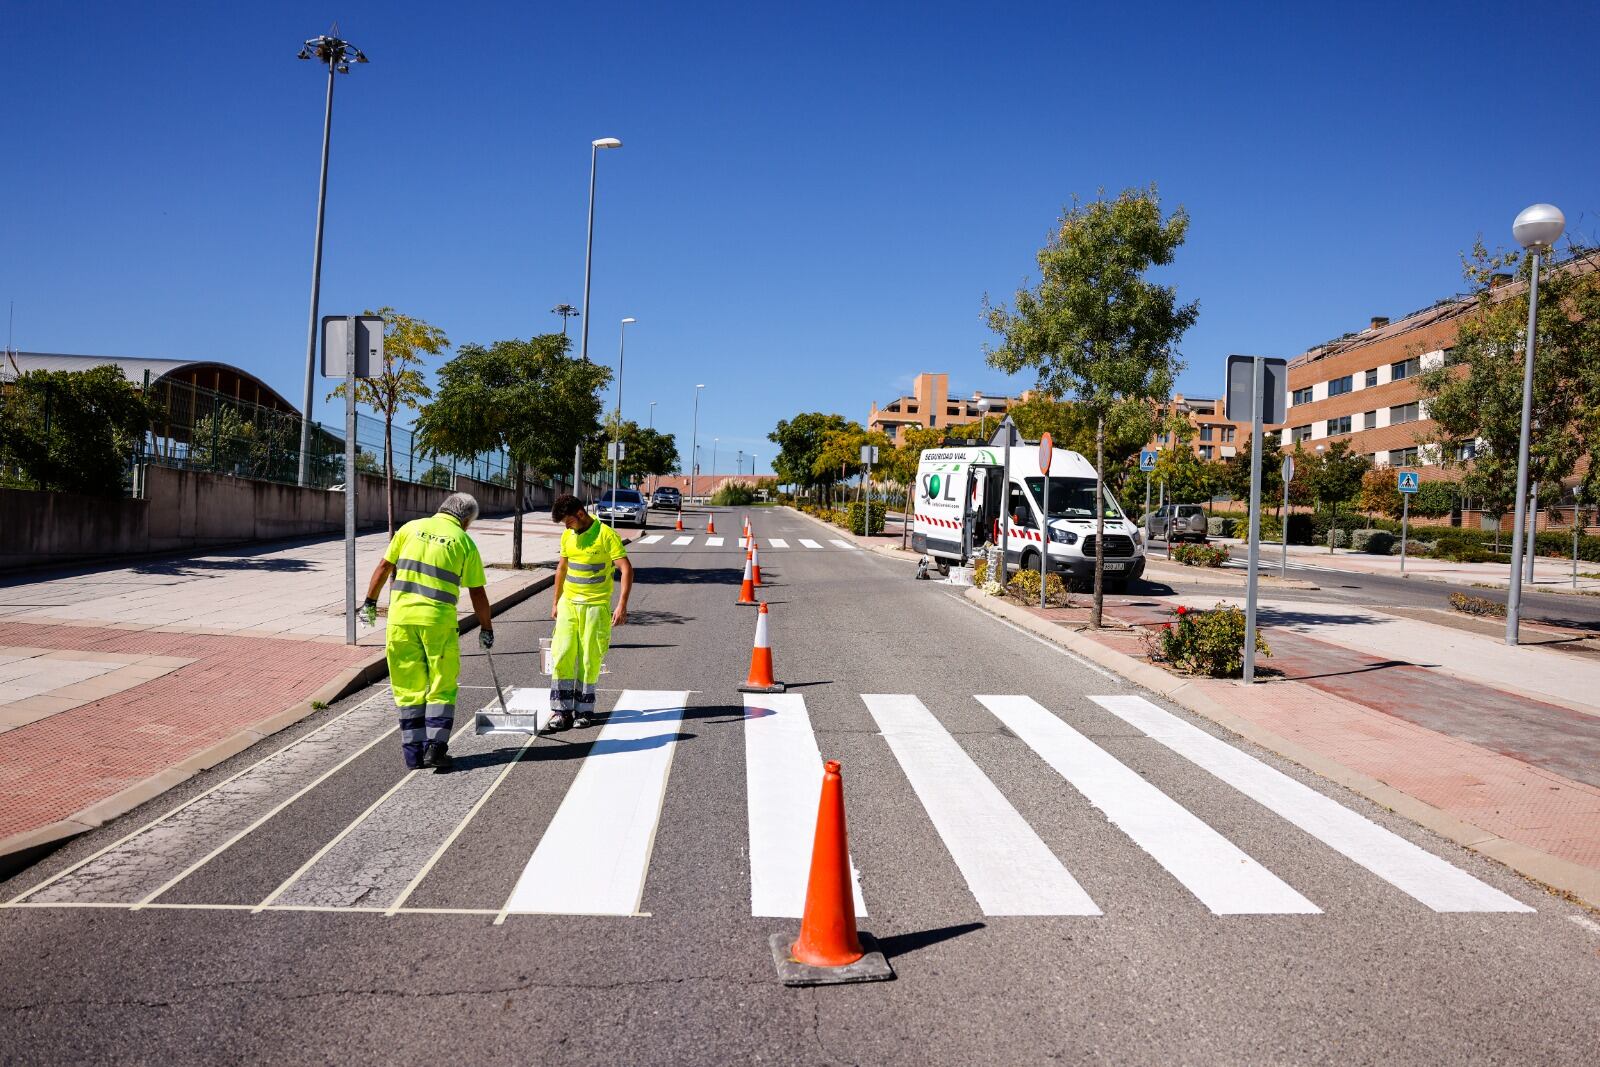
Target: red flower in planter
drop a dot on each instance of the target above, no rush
(1183, 610)
(1166, 626)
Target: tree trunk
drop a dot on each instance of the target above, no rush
(516, 519)
(388, 469)
(1099, 522)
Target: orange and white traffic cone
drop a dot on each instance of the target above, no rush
(747, 590)
(755, 564)
(760, 680)
(829, 948)
(680, 522)
(711, 524)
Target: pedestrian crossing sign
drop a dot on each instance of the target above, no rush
(1147, 459)
(1408, 481)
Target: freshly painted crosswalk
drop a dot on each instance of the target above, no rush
(594, 856)
(719, 541)
(777, 542)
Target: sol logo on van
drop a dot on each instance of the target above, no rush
(932, 484)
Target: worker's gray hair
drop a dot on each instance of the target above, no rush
(461, 505)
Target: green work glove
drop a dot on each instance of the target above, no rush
(486, 639)
(369, 612)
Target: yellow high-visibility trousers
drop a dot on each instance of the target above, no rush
(424, 671)
(582, 639)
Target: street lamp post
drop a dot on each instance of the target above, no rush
(616, 436)
(588, 248)
(738, 464)
(715, 441)
(694, 442)
(1537, 228)
(652, 414)
(984, 404)
(337, 54)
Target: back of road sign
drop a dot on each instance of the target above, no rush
(369, 345)
(1408, 481)
(1274, 389)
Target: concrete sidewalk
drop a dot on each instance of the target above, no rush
(116, 683)
(1437, 736)
(1550, 575)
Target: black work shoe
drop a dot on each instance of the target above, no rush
(438, 758)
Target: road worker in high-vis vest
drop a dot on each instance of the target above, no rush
(431, 560)
(582, 609)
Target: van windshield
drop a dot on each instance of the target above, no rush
(1071, 498)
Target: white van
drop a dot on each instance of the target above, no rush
(962, 495)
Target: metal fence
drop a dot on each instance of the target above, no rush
(200, 429)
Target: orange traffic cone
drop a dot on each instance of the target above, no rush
(755, 564)
(680, 522)
(747, 590)
(760, 680)
(711, 524)
(829, 948)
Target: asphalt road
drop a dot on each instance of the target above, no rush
(323, 906)
(1559, 609)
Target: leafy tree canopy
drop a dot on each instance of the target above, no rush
(799, 442)
(71, 431)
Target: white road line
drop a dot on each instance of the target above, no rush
(652, 539)
(1411, 869)
(783, 777)
(837, 543)
(382, 695)
(777, 542)
(236, 838)
(595, 854)
(1586, 922)
(809, 543)
(1221, 876)
(1008, 868)
(713, 542)
(676, 541)
(1047, 644)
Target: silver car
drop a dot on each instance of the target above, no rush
(626, 506)
(1176, 522)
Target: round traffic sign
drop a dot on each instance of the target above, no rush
(1046, 447)
(1288, 468)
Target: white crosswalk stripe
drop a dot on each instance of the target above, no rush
(652, 539)
(593, 858)
(838, 543)
(1397, 861)
(1225, 880)
(806, 541)
(713, 542)
(1009, 869)
(680, 541)
(783, 777)
(777, 542)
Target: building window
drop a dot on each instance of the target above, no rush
(1402, 413)
(1466, 450)
(1401, 457)
(1302, 396)
(1227, 435)
(1376, 458)
(953, 411)
(1404, 369)
(1300, 433)
(1372, 377)
(1339, 425)
(930, 420)
(1369, 420)
(1205, 433)
(1340, 386)
(1205, 451)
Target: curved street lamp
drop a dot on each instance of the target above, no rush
(588, 248)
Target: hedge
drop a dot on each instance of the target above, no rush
(860, 514)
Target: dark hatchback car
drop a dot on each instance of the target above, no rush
(667, 497)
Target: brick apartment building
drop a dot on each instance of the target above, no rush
(931, 404)
(1215, 437)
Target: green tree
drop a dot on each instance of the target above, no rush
(1380, 491)
(901, 465)
(1435, 499)
(1237, 481)
(438, 475)
(528, 397)
(400, 384)
(1096, 328)
(71, 431)
(1335, 479)
(799, 442)
(645, 451)
(1476, 395)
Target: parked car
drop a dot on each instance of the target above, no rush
(625, 505)
(1177, 522)
(667, 497)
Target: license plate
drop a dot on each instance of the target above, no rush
(1115, 566)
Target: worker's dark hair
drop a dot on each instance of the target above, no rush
(566, 504)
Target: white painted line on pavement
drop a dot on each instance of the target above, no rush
(594, 856)
(777, 542)
(713, 542)
(1585, 922)
(308, 735)
(1047, 644)
(1409, 868)
(809, 543)
(1009, 869)
(783, 778)
(1220, 875)
(652, 539)
(236, 838)
(682, 541)
(838, 543)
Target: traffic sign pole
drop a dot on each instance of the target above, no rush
(1287, 473)
(1255, 527)
(350, 481)
(1405, 516)
(1046, 450)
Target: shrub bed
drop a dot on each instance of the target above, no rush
(1200, 555)
(1024, 586)
(1376, 542)
(1210, 643)
(865, 518)
(1477, 605)
(1223, 526)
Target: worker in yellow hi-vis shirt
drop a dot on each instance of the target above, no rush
(431, 560)
(582, 610)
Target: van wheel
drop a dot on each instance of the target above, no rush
(943, 565)
(1030, 561)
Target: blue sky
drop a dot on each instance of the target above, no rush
(812, 200)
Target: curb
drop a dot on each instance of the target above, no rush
(1231, 579)
(23, 849)
(1581, 882)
